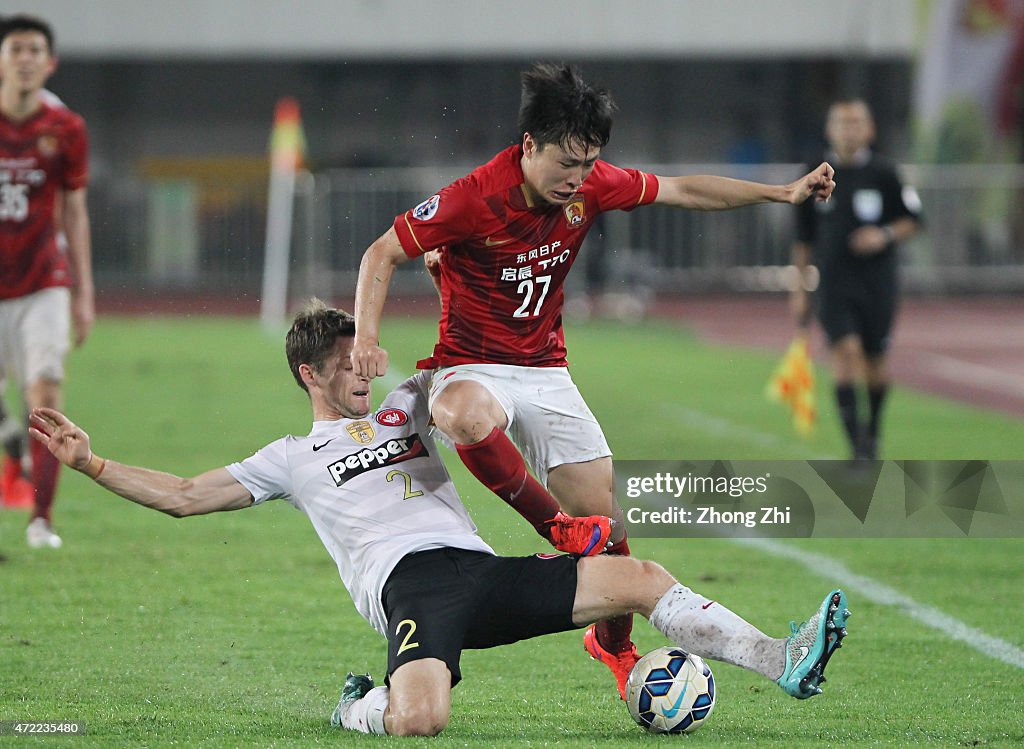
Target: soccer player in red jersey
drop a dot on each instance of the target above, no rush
(508, 233)
(43, 288)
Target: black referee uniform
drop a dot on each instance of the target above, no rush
(857, 294)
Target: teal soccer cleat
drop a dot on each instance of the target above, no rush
(812, 644)
(355, 688)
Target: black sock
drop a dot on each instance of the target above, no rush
(846, 399)
(876, 397)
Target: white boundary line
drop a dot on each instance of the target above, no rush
(977, 375)
(722, 427)
(880, 593)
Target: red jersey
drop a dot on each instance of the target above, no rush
(506, 258)
(38, 156)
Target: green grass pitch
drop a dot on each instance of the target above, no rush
(234, 630)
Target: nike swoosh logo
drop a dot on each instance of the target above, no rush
(317, 447)
(708, 605)
(671, 712)
(495, 242)
(513, 496)
(804, 650)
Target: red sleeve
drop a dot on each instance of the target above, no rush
(76, 156)
(623, 189)
(443, 219)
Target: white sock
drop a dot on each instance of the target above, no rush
(710, 630)
(366, 714)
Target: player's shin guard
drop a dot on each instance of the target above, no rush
(44, 477)
(614, 634)
(498, 465)
(710, 630)
(366, 714)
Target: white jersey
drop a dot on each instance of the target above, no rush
(375, 490)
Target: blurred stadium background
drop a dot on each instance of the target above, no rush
(397, 98)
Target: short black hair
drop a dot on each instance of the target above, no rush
(559, 107)
(23, 22)
(313, 334)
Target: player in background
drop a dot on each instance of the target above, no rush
(43, 289)
(852, 240)
(508, 233)
(16, 490)
(380, 498)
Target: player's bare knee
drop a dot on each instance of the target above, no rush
(640, 582)
(43, 393)
(461, 427)
(652, 582)
(653, 574)
(464, 420)
(425, 719)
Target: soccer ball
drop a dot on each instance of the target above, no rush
(670, 691)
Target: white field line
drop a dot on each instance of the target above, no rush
(718, 426)
(880, 593)
(976, 375)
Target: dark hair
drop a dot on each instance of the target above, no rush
(11, 24)
(313, 334)
(847, 100)
(558, 107)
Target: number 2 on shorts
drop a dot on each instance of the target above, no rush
(406, 644)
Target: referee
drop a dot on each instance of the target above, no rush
(852, 240)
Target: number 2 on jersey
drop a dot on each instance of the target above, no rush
(409, 491)
(526, 288)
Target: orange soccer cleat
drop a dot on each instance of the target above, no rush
(620, 663)
(585, 536)
(17, 491)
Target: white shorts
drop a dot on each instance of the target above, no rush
(35, 336)
(547, 417)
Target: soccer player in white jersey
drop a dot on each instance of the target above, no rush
(382, 502)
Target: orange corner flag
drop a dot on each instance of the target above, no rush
(287, 142)
(792, 383)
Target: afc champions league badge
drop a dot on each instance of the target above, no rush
(575, 211)
(426, 210)
(361, 432)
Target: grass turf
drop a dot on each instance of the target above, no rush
(234, 630)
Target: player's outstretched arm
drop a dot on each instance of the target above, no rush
(76, 228)
(375, 270)
(704, 192)
(212, 491)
